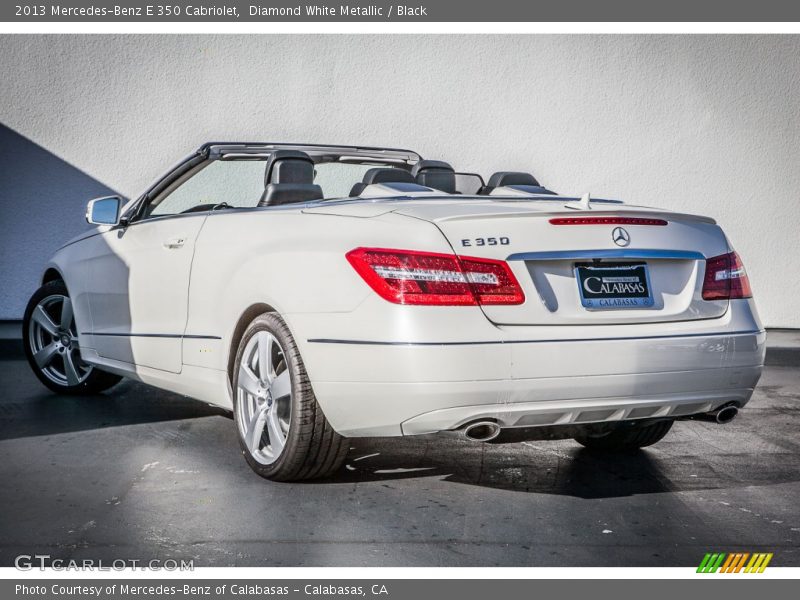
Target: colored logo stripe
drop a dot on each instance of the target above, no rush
(734, 562)
(758, 563)
(711, 562)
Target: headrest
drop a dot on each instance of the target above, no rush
(424, 165)
(278, 194)
(289, 166)
(387, 175)
(502, 178)
(435, 174)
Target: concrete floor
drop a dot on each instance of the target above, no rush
(139, 473)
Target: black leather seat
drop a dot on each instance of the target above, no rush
(435, 174)
(381, 175)
(513, 178)
(289, 178)
(503, 178)
(387, 175)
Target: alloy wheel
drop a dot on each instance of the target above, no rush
(264, 397)
(53, 340)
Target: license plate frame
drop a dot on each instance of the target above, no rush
(617, 275)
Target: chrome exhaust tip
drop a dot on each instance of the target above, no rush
(481, 431)
(726, 414)
(722, 415)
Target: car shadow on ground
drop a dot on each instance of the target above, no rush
(519, 467)
(562, 468)
(45, 413)
(539, 467)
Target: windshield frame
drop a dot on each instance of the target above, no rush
(212, 151)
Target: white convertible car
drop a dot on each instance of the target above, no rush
(328, 292)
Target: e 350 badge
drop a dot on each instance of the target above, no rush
(486, 241)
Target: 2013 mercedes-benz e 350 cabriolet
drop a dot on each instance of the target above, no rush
(328, 292)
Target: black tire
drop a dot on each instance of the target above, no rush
(625, 437)
(92, 380)
(312, 448)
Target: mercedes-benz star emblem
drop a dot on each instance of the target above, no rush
(620, 236)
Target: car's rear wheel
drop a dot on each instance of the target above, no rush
(282, 430)
(624, 436)
(51, 344)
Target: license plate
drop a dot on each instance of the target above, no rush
(614, 286)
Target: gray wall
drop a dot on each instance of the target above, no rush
(706, 124)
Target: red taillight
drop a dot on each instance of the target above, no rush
(607, 221)
(726, 278)
(491, 281)
(410, 277)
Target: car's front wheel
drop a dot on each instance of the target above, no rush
(625, 436)
(282, 430)
(51, 344)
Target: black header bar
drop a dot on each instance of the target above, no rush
(411, 11)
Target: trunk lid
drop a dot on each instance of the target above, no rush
(547, 259)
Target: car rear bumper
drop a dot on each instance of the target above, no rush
(533, 412)
(415, 389)
(725, 369)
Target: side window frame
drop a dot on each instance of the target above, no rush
(209, 193)
(181, 172)
(151, 202)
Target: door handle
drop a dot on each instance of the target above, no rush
(174, 243)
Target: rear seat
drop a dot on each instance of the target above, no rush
(435, 174)
(381, 175)
(516, 179)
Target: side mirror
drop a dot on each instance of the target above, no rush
(104, 211)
